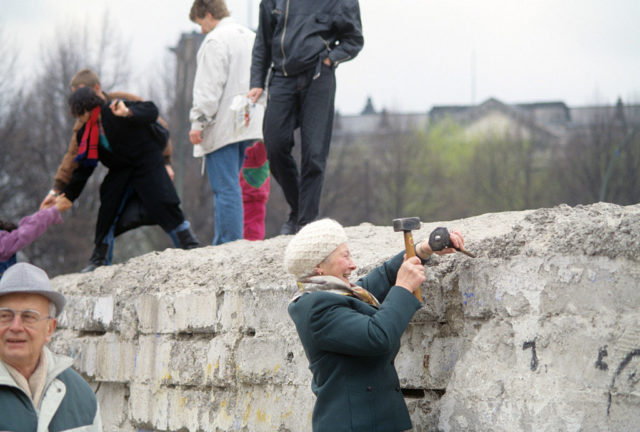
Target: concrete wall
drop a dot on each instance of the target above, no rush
(540, 332)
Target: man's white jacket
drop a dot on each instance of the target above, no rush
(222, 74)
(68, 402)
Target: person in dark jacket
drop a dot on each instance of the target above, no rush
(117, 133)
(131, 214)
(298, 45)
(351, 332)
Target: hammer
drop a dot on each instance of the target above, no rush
(406, 225)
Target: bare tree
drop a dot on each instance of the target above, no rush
(508, 172)
(8, 92)
(37, 135)
(9, 110)
(605, 145)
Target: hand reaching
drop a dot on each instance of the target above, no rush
(48, 201)
(62, 203)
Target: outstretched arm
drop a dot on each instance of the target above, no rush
(30, 228)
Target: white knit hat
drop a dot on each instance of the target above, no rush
(313, 243)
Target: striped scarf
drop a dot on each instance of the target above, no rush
(88, 149)
(337, 286)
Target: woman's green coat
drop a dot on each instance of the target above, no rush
(351, 347)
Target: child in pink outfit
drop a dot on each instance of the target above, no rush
(255, 183)
(14, 239)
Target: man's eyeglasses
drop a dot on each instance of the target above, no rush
(29, 317)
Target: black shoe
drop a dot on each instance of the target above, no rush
(98, 258)
(91, 267)
(187, 239)
(289, 228)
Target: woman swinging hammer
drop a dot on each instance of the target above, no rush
(351, 332)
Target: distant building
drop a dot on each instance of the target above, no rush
(554, 121)
(370, 124)
(544, 121)
(548, 122)
(368, 108)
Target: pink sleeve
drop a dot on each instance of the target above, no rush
(30, 228)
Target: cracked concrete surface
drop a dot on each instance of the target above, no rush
(539, 332)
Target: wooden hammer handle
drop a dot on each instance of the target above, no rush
(410, 248)
(408, 244)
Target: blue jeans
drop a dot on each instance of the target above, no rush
(110, 237)
(223, 170)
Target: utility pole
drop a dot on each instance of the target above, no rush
(473, 77)
(185, 73)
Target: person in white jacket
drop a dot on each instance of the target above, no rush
(223, 121)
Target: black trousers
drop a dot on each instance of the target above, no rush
(308, 103)
(151, 184)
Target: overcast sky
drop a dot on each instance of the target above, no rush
(417, 53)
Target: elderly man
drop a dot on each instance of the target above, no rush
(38, 389)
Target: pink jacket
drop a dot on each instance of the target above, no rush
(30, 228)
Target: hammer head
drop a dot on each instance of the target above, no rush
(406, 224)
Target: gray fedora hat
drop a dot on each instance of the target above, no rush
(29, 279)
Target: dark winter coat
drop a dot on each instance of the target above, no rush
(134, 159)
(68, 164)
(296, 36)
(351, 347)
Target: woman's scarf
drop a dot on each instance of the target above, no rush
(337, 286)
(93, 132)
